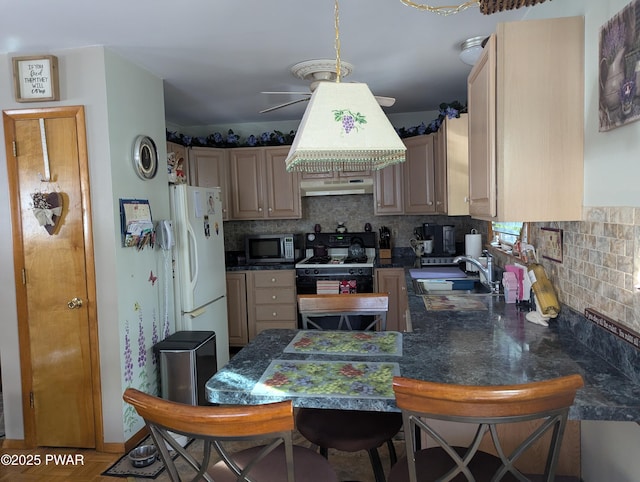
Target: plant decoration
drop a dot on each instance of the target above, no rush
(277, 138)
(47, 208)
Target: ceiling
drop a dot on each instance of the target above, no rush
(216, 57)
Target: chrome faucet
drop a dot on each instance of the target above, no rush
(486, 272)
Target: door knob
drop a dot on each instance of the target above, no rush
(74, 303)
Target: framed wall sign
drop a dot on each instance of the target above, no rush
(552, 244)
(35, 78)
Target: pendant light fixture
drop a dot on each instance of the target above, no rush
(487, 7)
(344, 128)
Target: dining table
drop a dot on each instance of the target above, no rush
(490, 346)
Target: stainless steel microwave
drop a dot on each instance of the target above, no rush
(271, 248)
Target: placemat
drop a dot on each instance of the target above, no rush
(452, 302)
(303, 378)
(367, 343)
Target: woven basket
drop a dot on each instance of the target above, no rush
(488, 7)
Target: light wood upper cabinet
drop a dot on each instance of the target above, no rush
(208, 168)
(261, 188)
(526, 123)
(283, 188)
(452, 167)
(387, 190)
(419, 176)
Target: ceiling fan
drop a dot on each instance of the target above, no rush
(322, 70)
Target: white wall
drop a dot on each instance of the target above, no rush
(135, 107)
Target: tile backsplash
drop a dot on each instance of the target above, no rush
(355, 211)
(601, 263)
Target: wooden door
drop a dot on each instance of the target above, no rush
(55, 279)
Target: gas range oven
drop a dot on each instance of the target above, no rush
(337, 263)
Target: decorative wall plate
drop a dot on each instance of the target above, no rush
(145, 157)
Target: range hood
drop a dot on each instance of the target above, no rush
(332, 187)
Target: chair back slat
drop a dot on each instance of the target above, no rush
(345, 305)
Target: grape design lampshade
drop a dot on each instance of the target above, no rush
(344, 128)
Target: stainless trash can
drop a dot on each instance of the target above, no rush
(186, 360)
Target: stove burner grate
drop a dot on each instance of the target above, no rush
(318, 260)
(359, 259)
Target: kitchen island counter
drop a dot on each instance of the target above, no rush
(492, 345)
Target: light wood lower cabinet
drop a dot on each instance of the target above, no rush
(271, 300)
(237, 308)
(392, 281)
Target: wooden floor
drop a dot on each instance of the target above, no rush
(56, 465)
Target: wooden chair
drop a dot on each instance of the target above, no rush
(349, 430)
(487, 407)
(376, 305)
(215, 425)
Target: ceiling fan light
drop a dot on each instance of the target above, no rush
(471, 50)
(344, 128)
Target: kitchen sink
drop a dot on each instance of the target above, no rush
(421, 287)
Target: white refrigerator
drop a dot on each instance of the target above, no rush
(200, 288)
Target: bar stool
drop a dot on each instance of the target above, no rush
(349, 430)
(272, 423)
(546, 402)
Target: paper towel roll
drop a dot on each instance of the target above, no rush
(473, 248)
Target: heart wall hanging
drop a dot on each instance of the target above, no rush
(47, 208)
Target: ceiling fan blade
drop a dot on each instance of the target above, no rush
(279, 106)
(385, 101)
(287, 93)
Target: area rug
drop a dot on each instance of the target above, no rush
(124, 468)
(452, 302)
(302, 378)
(373, 343)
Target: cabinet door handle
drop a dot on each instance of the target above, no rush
(274, 314)
(273, 280)
(274, 297)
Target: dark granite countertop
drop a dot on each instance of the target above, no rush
(496, 345)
